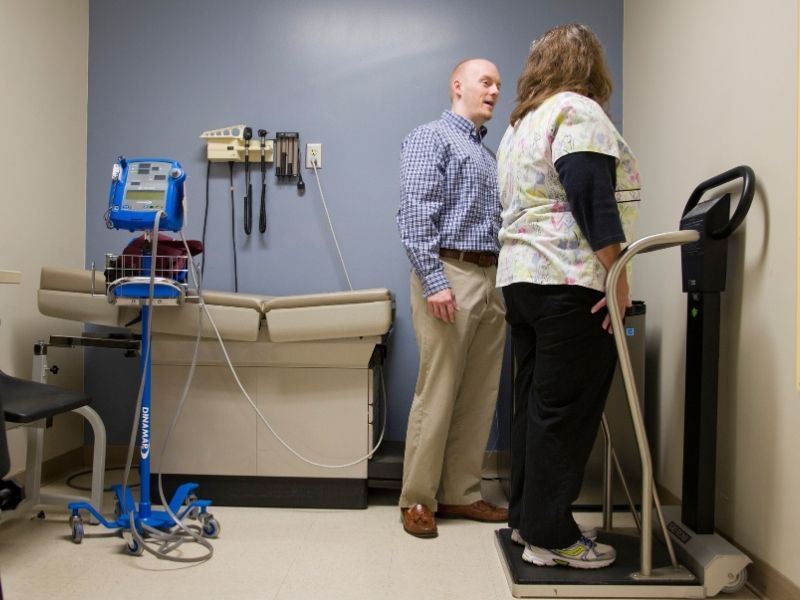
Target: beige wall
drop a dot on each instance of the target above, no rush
(710, 85)
(44, 48)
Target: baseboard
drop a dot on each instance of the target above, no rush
(272, 492)
(666, 497)
(115, 455)
(77, 458)
(766, 581)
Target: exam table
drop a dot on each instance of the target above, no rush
(311, 363)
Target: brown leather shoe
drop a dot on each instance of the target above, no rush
(477, 511)
(418, 520)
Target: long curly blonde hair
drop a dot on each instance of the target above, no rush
(568, 58)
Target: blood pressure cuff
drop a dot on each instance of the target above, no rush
(171, 261)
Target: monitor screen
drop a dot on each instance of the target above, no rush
(139, 195)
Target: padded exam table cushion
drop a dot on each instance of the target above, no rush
(328, 316)
(66, 293)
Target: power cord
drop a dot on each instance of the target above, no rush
(70, 482)
(330, 223)
(205, 218)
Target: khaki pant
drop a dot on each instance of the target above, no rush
(456, 391)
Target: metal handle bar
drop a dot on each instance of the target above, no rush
(651, 243)
(748, 189)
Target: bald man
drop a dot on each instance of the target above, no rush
(448, 219)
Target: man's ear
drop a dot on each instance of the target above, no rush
(456, 88)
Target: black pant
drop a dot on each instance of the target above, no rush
(565, 361)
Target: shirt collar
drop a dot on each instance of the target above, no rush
(464, 124)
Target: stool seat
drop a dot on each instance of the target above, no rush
(27, 401)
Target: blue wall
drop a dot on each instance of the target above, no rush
(354, 75)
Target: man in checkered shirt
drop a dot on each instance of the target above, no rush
(448, 219)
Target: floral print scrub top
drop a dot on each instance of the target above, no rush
(541, 242)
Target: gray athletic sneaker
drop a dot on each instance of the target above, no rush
(583, 554)
(516, 537)
(587, 531)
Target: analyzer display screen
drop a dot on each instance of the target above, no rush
(139, 195)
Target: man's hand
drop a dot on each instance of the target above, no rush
(442, 305)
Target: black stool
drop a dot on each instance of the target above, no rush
(26, 401)
(11, 493)
(5, 461)
(33, 405)
(5, 458)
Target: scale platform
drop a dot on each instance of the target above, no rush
(616, 581)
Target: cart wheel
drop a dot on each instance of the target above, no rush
(134, 547)
(77, 529)
(194, 512)
(737, 583)
(211, 527)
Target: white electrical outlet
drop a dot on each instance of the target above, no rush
(313, 154)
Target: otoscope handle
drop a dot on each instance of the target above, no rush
(748, 190)
(262, 217)
(248, 210)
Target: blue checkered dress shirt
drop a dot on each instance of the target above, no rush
(449, 196)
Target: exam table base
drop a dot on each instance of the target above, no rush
(274, 492)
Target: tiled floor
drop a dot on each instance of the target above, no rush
(280, 554)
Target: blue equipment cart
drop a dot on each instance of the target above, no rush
(146, 194)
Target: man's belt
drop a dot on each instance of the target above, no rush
(482, 259)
